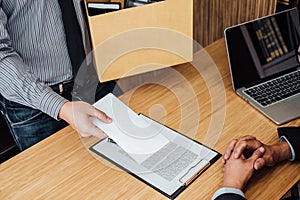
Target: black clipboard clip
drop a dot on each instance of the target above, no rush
(111, 140)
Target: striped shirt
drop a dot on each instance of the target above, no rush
(33, 52)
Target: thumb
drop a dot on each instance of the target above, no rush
(101, 116)
(257, 153)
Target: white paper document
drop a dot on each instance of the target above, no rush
(136, 136)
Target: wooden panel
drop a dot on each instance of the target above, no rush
(211, 17)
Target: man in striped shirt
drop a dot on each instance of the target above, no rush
(34, 62)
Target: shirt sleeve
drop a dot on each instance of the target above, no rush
(284, 139)
(227, 190)
(18, 84)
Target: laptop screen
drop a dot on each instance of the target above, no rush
(264, 48)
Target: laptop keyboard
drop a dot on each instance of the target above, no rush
(275, 90)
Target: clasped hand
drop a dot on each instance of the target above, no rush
(245, 155)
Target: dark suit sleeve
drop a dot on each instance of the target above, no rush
(230, 196)
(292, 134)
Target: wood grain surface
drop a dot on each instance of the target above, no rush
(195, 98)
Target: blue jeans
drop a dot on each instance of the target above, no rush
(27, 125)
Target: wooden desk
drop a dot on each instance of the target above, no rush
(61, 167)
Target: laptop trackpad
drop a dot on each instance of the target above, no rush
(284, 111)
(295, 102)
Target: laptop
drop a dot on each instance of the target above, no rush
(264, 63)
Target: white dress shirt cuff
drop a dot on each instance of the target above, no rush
(225, 190)
(283, 139)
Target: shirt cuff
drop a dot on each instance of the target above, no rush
(51, 103)
(283, 139)
(227, 190)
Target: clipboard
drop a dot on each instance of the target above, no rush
(98, 8)
(161, 176)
